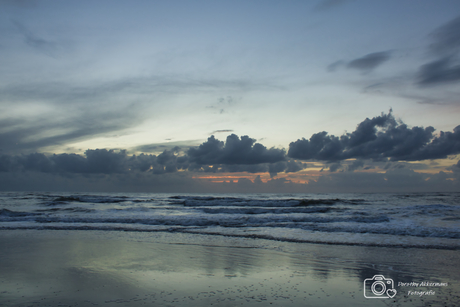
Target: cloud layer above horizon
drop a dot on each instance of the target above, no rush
(382, 139)
(267, 91)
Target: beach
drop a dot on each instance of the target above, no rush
(229, 153)
(96, 268)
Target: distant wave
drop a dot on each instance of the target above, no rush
(400, 220)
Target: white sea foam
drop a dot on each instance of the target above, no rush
(406, 220)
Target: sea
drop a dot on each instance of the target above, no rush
(421, 220)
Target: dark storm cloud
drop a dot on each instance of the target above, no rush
(445, 47)
(448, 143)
(357, 164)
(97, 161)
(393, 180)
(369, 61)
(276, 168)
(240, 155)
(105, 161)
(235, 156)
(167, 156)
(293, 166)
(455, 168)
(378, 138)
(334, 167)
(234, 151)
(237, 168)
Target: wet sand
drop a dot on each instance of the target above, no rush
(88, 268)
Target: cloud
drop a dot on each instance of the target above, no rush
(97, 161)
(445, 47)
(333, 67)
(319, 147)
(324, 5)
(455, 168)
(44, 46)
(221, 131)
(170, 145)
(236, 168)
(446, 39)
(105, 161)
(234, 151)
(365, 64)
(369, 61)
(440, 71)
(273, 169)
(65, 113)
(21, 135)
(74, 111)
(235, 155)
(334, 167)
(223, 104)
(394, 180)
(357, 164)
(109, 170)
(448, 143)
(88, 92)
(379, 138)
(240, 155)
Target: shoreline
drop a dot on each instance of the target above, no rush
(240, 236)
(75, 268)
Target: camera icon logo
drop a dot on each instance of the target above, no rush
(379, 287)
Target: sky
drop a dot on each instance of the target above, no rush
(230, 96)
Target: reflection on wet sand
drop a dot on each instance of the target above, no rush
(70, 268)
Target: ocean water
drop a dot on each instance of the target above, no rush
(423, 220)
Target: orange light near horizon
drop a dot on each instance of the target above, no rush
(264, 177)
(304, 176)
(432, 171)
(233, 176)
